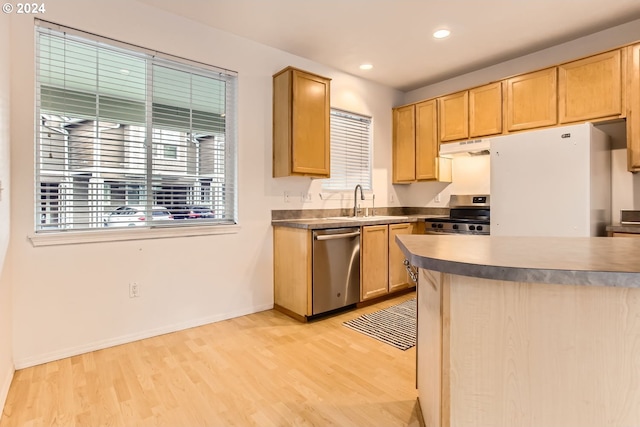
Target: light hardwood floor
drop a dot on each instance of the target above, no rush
(263, 369)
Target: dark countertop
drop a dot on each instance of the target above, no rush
(601, 261)
(629, 223)
(338, 222)
(624, 228)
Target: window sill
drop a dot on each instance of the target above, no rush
(80, 237)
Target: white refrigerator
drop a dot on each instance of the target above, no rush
(551, 182)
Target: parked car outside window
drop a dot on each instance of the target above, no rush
(131, 216)
(191, 212)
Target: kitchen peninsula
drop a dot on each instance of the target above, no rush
(527, 331)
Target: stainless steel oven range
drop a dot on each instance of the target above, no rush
(468, 214)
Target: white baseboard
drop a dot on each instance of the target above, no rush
(4, 387)
(99, 345)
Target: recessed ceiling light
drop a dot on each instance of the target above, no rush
(440, 34)
(366, 66)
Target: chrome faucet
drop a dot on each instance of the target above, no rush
(355, 199)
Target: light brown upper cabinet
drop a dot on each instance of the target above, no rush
(633, 113)
(454, 116)
(601, 87)
(485, 110)
(415, 145)
(301, 124)
(472, 113)
(426, 140)
(531, 100)
(591, 88)
(404, 144)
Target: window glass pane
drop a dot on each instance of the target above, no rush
(350, 151)
(126, 139)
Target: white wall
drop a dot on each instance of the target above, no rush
(625, 185)
(69, 299)
(6, 342)
(74, 298)
(595, 43)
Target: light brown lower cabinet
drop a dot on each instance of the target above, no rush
(382, 262)
(292, 264)
(382, 269)
(398, 276)
(374, 265)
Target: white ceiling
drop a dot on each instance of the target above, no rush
(395, 35)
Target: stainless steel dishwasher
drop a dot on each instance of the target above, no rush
(336, 268)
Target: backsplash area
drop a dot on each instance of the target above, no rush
(323, 213)
(471, 175)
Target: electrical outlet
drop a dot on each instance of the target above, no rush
(437, 198)
(286, 197)
(134, 290)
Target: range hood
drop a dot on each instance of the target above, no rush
(465, 148)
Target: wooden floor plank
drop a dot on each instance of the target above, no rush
(264, 369)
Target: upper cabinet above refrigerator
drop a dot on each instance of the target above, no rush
(531, 100)
(591, 88)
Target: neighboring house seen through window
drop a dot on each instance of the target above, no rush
(126, 135)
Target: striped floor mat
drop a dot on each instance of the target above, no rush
(395, 325)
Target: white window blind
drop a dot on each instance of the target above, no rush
(127, 138)
(350, 151)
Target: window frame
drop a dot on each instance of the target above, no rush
(42, 235)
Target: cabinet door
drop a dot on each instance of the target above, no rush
(292, 265)
(426, 140)
(590, 88)
(454, 116)
(485, 110)
(374, 266)
(531, 100)
(301, 124)
(311, 124)
(404, 144)
(633, 113)
(398, 276)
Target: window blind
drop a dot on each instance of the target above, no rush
(350, 151)
(129, 138)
